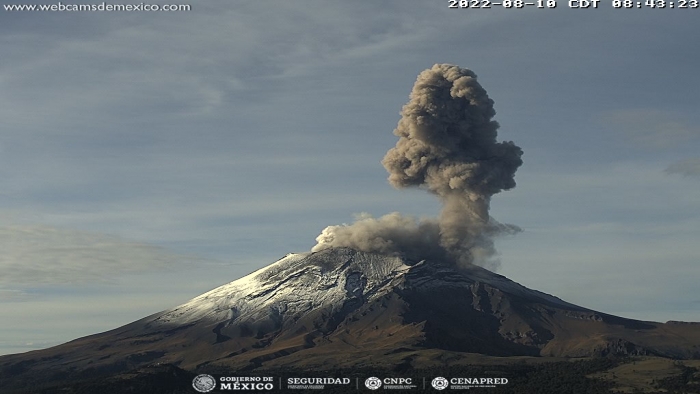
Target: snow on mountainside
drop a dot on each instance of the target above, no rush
(293, 285)
(301, 283)
(340, 307)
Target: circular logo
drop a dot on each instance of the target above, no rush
(440, 383)
(204, 383)
(373, 383)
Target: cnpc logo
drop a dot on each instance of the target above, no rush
(375, 383)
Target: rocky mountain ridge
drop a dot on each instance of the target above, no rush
(343, 308)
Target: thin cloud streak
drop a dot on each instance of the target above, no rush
(652, 128)
(687, 167)
(35, 255)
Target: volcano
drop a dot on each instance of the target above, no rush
(342, 308)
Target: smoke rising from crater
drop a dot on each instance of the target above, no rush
(447, 145)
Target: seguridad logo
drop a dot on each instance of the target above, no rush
(316, 383)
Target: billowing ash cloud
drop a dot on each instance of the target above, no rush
(447, 145)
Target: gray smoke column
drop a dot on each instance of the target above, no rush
(447, 145)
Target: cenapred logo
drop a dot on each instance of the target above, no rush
(204, 383)
(440, 383)
(373, 383)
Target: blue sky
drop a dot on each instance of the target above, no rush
(147, 157)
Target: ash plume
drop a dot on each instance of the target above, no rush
(447, 145)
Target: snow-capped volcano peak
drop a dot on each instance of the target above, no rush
(340, 307)
(299, 284)
(294, 285)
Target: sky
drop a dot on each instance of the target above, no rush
(148, 157)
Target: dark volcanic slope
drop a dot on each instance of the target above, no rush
(341, 307)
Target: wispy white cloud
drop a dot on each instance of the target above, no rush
(35, 256)
(14, 295)
(653, 128)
